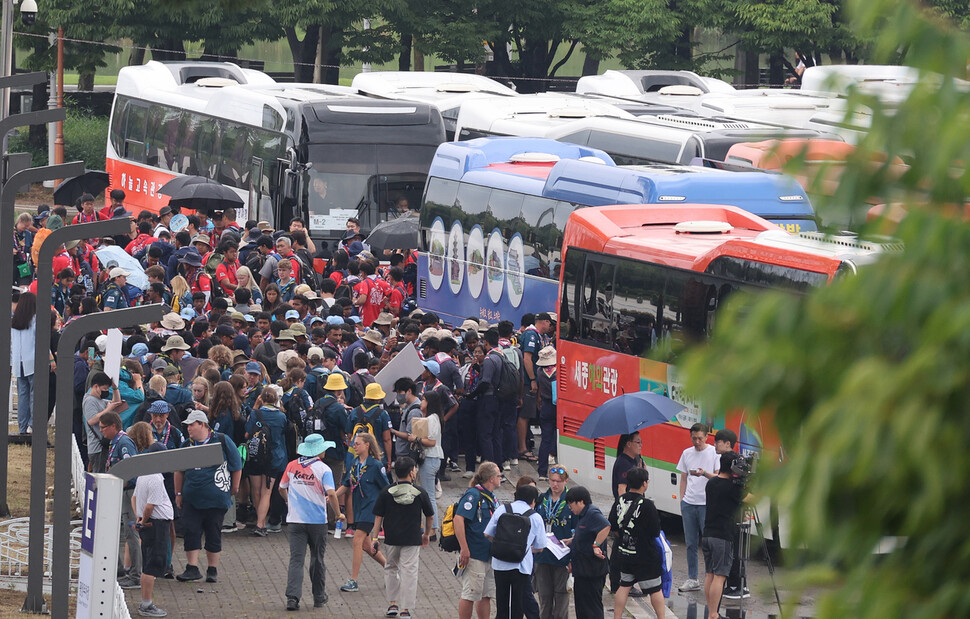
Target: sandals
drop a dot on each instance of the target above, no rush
(528, 456)
(392, 611)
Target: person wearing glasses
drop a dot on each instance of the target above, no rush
(551, 574)
(627, 457)
(695, 460)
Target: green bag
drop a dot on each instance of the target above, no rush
(23, 270)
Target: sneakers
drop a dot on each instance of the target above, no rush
(274, 528)
(515, 462)
(350, 586)
(129, 583)
(169, 573)
(735, 593)
(151, 611)
(191, 573)
(211, 574)
(468, 474)
(543, 478)
(229, 528)
(690, 584)
(259, 531)
(320, 602)
(505, 466)
(453, 467)
(292, 604)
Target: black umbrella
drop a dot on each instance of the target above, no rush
(206, 197)
(173, 186)
(92, 182)
(400, 233)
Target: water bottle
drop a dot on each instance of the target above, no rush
(339, 530)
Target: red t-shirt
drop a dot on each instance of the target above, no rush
(224, 271)
(374, 291)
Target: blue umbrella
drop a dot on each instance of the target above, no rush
(628, 413)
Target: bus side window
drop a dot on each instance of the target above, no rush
(598, 303)
(639, 288)
(569, 310)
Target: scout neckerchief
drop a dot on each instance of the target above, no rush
(114, 444)
(168, 432)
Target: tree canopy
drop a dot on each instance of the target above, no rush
(868, 379)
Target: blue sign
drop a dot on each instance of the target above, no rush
(89, 511)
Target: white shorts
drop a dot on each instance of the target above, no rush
(477, 581)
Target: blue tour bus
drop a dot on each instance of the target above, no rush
(494, 211)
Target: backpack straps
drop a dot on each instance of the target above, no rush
(629, 513)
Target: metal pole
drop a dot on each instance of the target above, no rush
(38, 452)
(59, 140)
(7, 195)
(51, 105)
(63, 427)
(6, 59)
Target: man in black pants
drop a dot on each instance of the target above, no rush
(724, 441)
(723, 498)
(513, 581)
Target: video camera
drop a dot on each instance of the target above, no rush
(743, 467)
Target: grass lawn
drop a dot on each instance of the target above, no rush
(18, 479)
(11, 602)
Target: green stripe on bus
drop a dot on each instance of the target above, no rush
(587, 446)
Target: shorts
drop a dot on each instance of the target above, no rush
(529, 409)
(155, 547)
(477, 581)
(199, 522)
(718, 555)
(363, 526)
(647, 585)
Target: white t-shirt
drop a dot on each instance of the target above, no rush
(151, 489)
(706, 459)
(434, 433)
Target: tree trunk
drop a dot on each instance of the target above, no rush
(168, 49)
(318, 60)
(751, 76)
(137, 56)
(85, 82)
(776, 69)
(418, 57)
(332, 38)
(591, 66)
(303, 52)
(404, 56)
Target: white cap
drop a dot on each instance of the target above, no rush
(118, 272)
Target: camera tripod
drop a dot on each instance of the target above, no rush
(744, 552)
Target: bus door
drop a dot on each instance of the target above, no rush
(255, 191)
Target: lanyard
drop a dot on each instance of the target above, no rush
(356, 474)
(168, 431)
(205, 442)
(114, 445)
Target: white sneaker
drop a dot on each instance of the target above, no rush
(690, 584)
(505, 466)
(515, 462)
(437, 490)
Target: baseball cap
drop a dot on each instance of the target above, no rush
(292, 314)
(195, 416)
(118, 272)
(253, 367)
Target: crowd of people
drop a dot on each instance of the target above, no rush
(273, 352)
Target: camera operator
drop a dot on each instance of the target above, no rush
(720, 523)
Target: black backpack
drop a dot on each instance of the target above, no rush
(255, 262)
(296, 410)
(509, 384)
(511, 540)
(259, 444)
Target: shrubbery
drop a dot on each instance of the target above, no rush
(85, 137)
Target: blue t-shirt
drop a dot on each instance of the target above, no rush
(176, 395)
(365, 480)
(476, 507)
(121, 447)
(225, 424)
(561, 519)
(208, 487)
(381, 422)
(589, 523)
(275, 421)
(530, 342)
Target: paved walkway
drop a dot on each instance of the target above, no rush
(252, 578)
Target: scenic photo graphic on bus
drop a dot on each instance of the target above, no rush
(526, 189)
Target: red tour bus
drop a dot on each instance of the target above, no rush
(641, 281)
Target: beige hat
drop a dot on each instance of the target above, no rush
(374, 337)
(202, 238)
(429, 332)
(264, 226)
(173, 322)
(443, 333)
(315, 352)
(175, 342)
(302, 289)
(547, 356)
(310, 295)
(283, 357)
(383, 319)
(469, 325)
(238, 316)
(286, 334)
(118, 272)
(298, 329)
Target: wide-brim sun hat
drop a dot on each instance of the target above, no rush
(175, 342)
(314, 445)
(173, 322)
(283, 357)
(374, 337)
(335, 382)
(547, 357)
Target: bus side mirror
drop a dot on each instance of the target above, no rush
(291, 186)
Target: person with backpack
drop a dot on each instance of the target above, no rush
(366, 477)
(114, 294)
(407, 398)
(199, 281)
(371, 418)
(636, 522)
(515, 531)
(369, 294)
(551, 573)
(487, 421)
(360, 379)
(399, 508)
(473, 512)
(267, 453)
